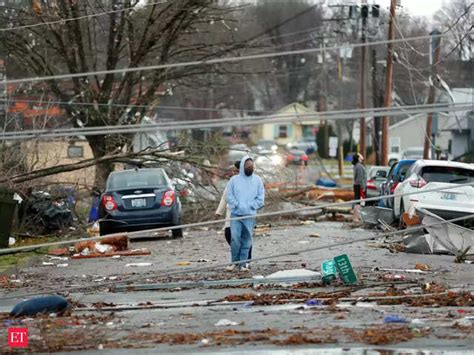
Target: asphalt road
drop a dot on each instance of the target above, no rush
(184, 320)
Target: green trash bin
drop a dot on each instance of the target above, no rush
(7, 211)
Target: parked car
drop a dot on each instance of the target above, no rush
(265, 145)
(236, 152)
(431, 174)
(395, 176)
(376, 176)
(296, 157)
(413, 153)
(308, 145)
(139, 199)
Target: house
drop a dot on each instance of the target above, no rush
(460, 135)
(43, 154)
(289, 132)
(452, 132)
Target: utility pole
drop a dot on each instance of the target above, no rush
(388, 81)
(435, 50)
(362, 104)
(376, 103)
(323, 105)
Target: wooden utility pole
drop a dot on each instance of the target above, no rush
(436, 47)
(376, 103)
(362, 104)
(388, 81)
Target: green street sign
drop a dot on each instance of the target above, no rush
(328, 271)
(345, 270)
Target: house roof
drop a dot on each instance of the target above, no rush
(296, 107)
(463, 118)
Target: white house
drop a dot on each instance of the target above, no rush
(285, 133)
(451, 131)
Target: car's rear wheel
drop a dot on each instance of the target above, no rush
(177, 233)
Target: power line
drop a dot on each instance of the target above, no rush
(63, 21)
(226, 122)
(216, 60)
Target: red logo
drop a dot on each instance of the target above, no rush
(18, 337)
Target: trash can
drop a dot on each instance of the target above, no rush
(7, 211)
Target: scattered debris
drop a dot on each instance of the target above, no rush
(454, 238)
(372, 214)
(315, 235)
(395, 319)
(225, 323)
(114, 254)
(394, 277)
(422, 267)
(37, 305)
(183, 263)
(409, 221)
(462, 323)
(138, 264)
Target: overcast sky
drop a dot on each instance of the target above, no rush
(414, 7)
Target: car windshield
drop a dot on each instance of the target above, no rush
(447, 174)
(136, 179)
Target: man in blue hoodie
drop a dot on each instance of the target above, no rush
(245, 195)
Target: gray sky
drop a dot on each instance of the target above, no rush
(415, 7)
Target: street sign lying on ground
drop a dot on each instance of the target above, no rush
(328, 271)
(345, 270)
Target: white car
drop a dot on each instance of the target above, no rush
(452, 202)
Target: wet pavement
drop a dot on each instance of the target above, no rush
(437, 308)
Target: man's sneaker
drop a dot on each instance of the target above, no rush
(230, 267)
(246, 267)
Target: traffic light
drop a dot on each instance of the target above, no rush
(364, 11)
(375, 10)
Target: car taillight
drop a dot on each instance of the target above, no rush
(371, 184)
(418, 183)
(168, 198)
(394, 186)
(291, 157)
(109, 203)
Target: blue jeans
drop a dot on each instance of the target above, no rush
(241, 240)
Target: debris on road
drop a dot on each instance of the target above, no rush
(225, 323)
(114, 254)
(138, 264)
(372, 215)
(422, 267)
(38, 305)
(183, 263)
(395, 319)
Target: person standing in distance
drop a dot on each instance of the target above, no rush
(245, 195)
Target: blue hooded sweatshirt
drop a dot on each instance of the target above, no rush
(245, 194)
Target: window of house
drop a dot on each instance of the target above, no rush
(74, 151)
(283, 131)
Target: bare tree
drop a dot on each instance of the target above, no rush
(124, 34)
(456, 18)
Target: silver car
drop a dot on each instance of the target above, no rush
(376, 176)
